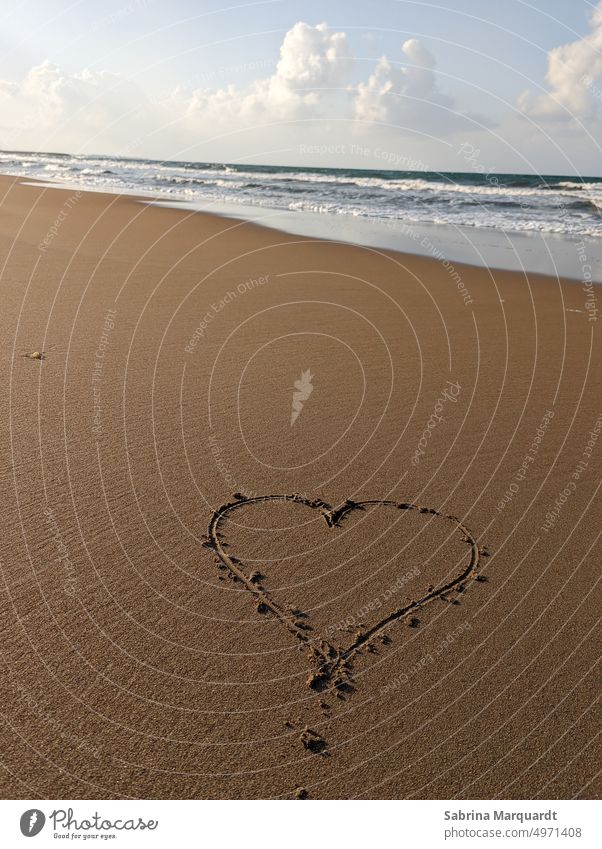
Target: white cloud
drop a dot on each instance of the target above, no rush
(314, 68)
(66, 109)
(94, 111)
(408, 96)
(573, 69)
(390, 94)
(314, 57)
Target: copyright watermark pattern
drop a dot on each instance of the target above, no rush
(301, 417)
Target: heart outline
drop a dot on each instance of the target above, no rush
(334, 664)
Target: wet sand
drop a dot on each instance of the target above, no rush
(435, 637)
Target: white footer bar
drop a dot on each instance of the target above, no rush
(315, 824)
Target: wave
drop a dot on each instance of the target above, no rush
(508, 202)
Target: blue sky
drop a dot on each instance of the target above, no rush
(201, 80)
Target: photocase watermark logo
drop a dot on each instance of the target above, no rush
(449, 393)
(32, 822)
(303, 389)
(64, 824)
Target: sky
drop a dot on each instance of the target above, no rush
(454, 85)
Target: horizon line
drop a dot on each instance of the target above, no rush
(300, 167)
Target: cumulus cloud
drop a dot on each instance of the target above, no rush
(313, 70)
(574, 70)
(314, 57)
(49, 103)
(79, 110)
(390, 94)
(313, 81)
(408, 96)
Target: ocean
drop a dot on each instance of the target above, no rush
(512, 205)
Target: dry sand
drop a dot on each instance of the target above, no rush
(378, 652)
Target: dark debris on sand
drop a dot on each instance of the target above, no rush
(301, 793)
(313, 741)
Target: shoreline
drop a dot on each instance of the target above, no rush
(549, 254)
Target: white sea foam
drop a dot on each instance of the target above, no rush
(511, 203)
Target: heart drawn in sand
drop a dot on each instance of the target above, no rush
(332, 664)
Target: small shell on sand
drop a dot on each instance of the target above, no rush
(34, 355)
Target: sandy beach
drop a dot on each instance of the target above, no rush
(287, 518)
